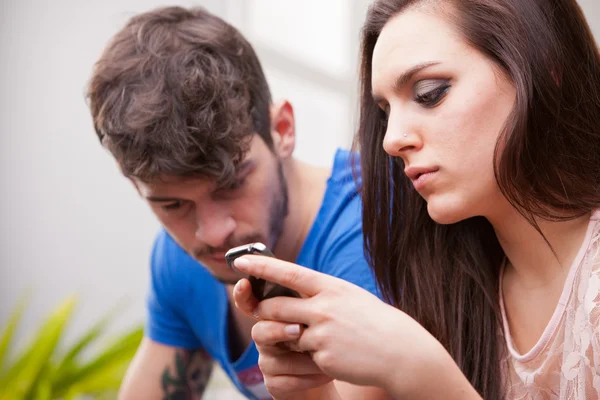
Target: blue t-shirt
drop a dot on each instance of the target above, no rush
(189, 308)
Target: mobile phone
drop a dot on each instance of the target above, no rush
(261, 288)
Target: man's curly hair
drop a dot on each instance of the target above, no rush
(179, 92)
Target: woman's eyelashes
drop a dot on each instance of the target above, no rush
(430, 92)
(427, 93)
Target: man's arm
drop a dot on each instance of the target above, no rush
(167, 373)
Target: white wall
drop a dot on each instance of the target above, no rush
(70, 222)
(592, 10)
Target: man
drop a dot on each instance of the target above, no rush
(180, 100)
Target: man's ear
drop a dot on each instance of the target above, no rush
(283, 128)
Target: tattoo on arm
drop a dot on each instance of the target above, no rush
(189, 377)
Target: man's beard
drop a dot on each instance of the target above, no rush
(279, 210)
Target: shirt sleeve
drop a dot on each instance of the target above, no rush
(345, 258)
(165, 322)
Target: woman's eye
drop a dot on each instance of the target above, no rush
(429, 93)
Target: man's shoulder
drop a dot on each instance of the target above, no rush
(181, 283)
(166, 249)
(170, 262)
(338, 225)
(183, 300)
(346, 166)
(341, 203)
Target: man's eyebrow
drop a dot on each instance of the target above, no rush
(243, 166)
(240, 168)
(159, 199)
(406, 76)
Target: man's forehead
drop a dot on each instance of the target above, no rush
(166, 184)
(169, 183)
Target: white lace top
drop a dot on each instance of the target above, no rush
(565, 363)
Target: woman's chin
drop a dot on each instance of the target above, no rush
(445, 213)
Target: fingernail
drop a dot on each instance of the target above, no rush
(292, 330)
(242, 262)
(238, 287)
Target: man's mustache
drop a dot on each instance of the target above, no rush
(230, 243)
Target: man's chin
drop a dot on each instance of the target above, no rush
(225, 278)
(226, 275)
(226, 281)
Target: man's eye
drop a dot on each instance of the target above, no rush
(172, 206)
(237, 184)
(229, 191)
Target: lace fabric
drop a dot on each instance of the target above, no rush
(565, 363)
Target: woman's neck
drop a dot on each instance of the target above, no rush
(531, 260)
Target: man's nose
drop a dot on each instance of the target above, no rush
(214, 225)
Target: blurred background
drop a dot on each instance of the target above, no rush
(70, 223)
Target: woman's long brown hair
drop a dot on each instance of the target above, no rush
(447, 276)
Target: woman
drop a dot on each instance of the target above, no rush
(480, 155)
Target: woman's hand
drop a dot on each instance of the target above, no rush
(341, 330)
(288, 373)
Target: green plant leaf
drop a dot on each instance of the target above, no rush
(101, 381)
(36, 376)
(9, 332)
(8, 396)
(21, 379)
(120, 351)
(43, 390)
(8, 379)
(90, 336)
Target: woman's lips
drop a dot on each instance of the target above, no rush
(420, 176)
